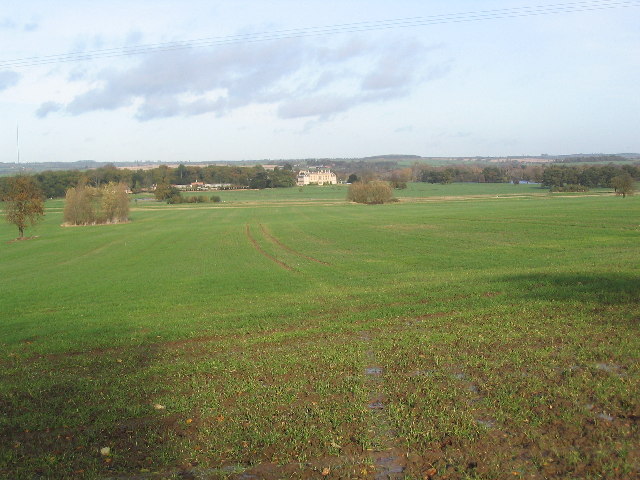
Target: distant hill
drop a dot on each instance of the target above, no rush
(391, 158)
(11, 168)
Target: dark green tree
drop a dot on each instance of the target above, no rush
(494, 175)
(165, 191)
(260, 180)
(182, 175)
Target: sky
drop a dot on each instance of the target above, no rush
(343, 79)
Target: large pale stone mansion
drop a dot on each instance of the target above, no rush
(321, 176)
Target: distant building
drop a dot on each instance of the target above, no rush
(321, 176)
(201, 186)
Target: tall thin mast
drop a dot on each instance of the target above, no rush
(18, 141)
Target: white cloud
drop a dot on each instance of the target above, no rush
(47, 108)
(8, 79)
(7, 24)
(31, 26)
(299, 79)
(320, 105)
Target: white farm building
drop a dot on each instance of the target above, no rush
(321, 176)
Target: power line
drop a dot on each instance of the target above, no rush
(411, 22)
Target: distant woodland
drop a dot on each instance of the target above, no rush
(580, 176)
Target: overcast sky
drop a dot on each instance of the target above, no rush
(527, 84)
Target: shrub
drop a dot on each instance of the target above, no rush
(115, 203)
(216, 198)
(570, 188)
(79, 205)
(623, 184)
(164, 191)
(87, 205)
(177, 198)
(375, 192)
(174, 198)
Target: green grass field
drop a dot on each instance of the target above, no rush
(467, 331)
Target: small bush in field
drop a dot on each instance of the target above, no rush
(375, 192)
(570, 188)
(85, 205)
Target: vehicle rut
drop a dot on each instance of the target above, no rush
(289, 249)
(257, 246)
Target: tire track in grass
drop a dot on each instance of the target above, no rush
(287, 248)
(387, 458)
(257, 246)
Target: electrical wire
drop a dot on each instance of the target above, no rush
(411, 22)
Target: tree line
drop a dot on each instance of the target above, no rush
(587, 176)
(588, 159)
(54, 184)
(549, 176)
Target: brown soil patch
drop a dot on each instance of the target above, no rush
(23, 239)
(96, 224)
(491, 294)
(407, 228)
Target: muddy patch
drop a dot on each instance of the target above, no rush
(610, 368)
(390, 464)
(23, 239)
(387, 460)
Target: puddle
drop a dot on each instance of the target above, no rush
(233, 469)
(486, 423)
(459, 376)
(391, 471)
(388, 466)
(473, 388)
(376, 405)
(603, 416)
(566, 371)
(373, 371)
(365, 336)
(610, 368)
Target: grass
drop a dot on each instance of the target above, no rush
(217, 338)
